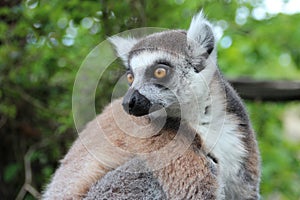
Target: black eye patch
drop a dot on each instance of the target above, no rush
(150, 71)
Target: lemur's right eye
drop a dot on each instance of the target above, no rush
(130, 78)
(160, 72)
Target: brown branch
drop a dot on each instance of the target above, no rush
(267, 90)
(27, 186)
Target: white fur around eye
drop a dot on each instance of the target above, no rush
(147, 58)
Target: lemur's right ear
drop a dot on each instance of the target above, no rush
(200, 37)
(123, 46)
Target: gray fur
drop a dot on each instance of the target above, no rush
(249, 173)
(121, 184)
(173, 41)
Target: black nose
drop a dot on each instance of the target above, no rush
(136, 104)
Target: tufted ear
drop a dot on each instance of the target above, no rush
(123, 46)
(200, 37)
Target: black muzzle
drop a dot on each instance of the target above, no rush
(136, 104)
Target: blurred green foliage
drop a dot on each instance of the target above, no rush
(42, 45)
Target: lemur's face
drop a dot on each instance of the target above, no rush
(157, 80)
(167, 69)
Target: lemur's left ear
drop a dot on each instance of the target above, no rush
(123, 46)
(200, 37)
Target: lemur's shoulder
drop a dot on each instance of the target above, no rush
(249, 173)
(234, 104)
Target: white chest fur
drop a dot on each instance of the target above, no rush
(221, 135)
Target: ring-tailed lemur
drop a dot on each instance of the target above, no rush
(174, 73)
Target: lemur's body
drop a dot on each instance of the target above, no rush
(176, 70)
(104, 146)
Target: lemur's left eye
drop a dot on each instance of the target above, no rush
(160, 72)
(130, 78)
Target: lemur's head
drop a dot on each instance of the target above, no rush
(168, 69)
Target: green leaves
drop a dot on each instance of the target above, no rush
(12, 171)
(280, 157)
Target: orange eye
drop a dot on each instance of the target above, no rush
(160, 72)
(130, 78)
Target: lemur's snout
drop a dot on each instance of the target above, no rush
(136, 104)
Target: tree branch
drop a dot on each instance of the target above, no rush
(267, 90)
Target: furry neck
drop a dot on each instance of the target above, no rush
(219, 129)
